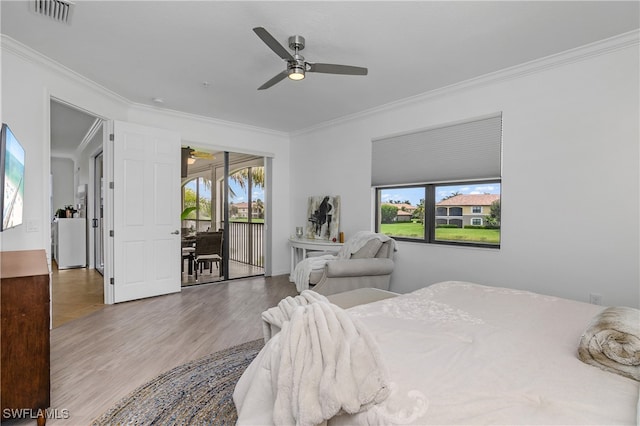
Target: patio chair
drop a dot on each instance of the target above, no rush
(208, 251)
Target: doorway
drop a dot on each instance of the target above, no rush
(75, 142)
(225, 192)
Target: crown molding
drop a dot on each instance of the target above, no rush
(30, 55)
(33, 56)
(598, 48)
(206, 120)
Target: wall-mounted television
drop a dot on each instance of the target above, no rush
(12, 179)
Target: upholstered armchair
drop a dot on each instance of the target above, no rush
(368, 267)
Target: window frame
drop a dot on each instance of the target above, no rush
(429, 236)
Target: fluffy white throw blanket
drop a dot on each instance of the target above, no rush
(303, 269)
(612, 341)
(328, 364)
(274, 318)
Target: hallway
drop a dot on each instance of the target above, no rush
(75, 293)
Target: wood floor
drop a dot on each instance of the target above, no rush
(100, 358)
(78, 292)
(75, 293)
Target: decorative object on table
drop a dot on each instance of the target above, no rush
(299, 232)
(323, 216)
(196, 393)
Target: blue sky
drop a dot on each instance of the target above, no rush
(415, 194)
(242, 195)
(397, 194)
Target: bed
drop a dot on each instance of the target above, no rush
(464, 353)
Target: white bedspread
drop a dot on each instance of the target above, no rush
(461, 353)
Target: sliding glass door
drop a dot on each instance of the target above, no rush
(246, 213)
(224, 192)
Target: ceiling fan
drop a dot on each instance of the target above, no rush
(193, 155)
(296, 65)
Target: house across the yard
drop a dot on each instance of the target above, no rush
(405, 211)
(462, 210)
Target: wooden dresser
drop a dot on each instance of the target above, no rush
(24, 285)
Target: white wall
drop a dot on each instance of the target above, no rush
(62, 183)
(28, 82)
(570, 188)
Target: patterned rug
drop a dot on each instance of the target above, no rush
(196, 393)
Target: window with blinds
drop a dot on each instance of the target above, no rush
(441, 185)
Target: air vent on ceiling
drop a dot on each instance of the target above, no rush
(58, 10)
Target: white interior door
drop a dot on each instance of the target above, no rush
(146, 212)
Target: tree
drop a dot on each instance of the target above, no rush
(189, 198)
(241, 177)
(233, 210)
(418, 213)
(493, 219)
(203, 205)
(388, 214)
(453, 194)
(259, 206)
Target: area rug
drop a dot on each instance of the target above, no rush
(196, 393)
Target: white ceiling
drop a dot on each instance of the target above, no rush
(168, 49)
(71, 128)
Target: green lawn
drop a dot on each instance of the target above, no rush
(416, 230)
(403, 229)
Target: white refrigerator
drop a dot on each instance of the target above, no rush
(70, 243)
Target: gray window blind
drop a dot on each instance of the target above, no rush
(462, 151)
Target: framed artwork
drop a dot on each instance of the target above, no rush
(323, 217)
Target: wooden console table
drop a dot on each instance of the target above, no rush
(24, 290)
(300, 246)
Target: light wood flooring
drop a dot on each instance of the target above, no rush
(236, 270)
(78, 292)
(75, 293)
(100, 358)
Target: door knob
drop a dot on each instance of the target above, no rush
(176, 232)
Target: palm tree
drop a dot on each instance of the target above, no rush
(241, 177)
(453, 194)
(260, 208)
(418, 213)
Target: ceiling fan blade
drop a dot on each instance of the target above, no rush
(203, 155)
(337, 69)
(276, 79)
(273, 44)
